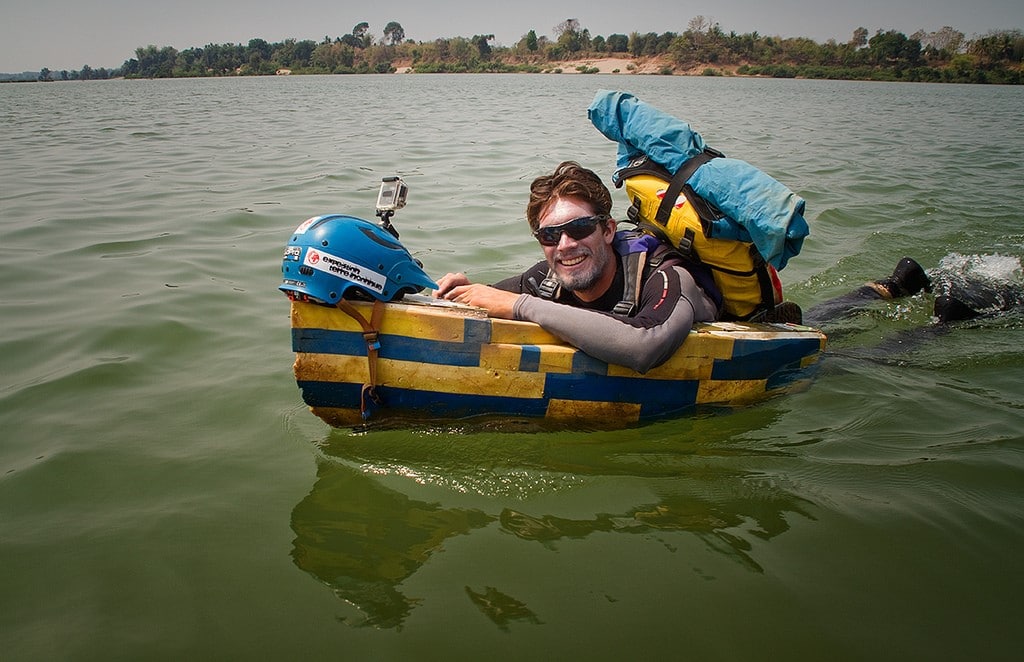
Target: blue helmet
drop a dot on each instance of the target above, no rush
(334, 256)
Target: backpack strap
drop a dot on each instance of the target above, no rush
(548, 288)
(699, 271)
(641, 165)
(637, 267)
(678, 184)
(632, 283)
(633, 277)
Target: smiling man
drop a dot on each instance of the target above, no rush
(622, 298)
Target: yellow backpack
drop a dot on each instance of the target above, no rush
(674, 213)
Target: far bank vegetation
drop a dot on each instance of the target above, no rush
(703, 48)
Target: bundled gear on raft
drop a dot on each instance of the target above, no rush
(719, 212)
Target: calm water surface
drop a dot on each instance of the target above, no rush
(164, 493)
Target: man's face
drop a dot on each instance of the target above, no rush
(585, 266)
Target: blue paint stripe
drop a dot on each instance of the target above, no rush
(585, 363)
(477, 331)
(655, 396)
(529, 359)
(401, 348)
(676, 397)
(431, 404)
(760, 359)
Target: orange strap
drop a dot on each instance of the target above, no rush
(371, 334)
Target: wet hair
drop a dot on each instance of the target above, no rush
(569, 180)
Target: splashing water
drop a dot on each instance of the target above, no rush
(985, 283)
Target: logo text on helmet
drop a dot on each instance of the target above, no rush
(342, 268)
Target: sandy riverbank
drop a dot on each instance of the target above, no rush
(612, 65)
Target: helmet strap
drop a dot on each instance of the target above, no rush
(371, 335)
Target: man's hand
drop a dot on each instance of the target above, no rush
(497, 303)
(447, 282)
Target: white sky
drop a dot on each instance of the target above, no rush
(67, 34)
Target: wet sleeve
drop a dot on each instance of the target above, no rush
(670, 303)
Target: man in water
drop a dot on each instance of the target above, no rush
(907, 279)
(959, 296)
(582, 281)
(569, 213)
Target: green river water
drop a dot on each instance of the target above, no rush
(165, 494)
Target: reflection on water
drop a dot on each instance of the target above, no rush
(501, 608)
(761, 511)
(364, 539)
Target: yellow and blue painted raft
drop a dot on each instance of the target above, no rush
(439, 360)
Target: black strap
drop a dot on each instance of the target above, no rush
(764, 283)
(679, 180)
(632, 281)
(548, 287)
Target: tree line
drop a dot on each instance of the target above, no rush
(945, 55)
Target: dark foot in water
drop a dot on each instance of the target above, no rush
(949, 309)
(908, 278)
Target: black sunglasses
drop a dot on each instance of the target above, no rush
(577, 228)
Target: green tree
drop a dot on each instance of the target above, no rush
(1000, 46)
(394, 32)
(617, 43)
(531, 40)
(155, 63)
(571, 38)
(361, 33)
(260, 48)
(894, 48)
(483, 48)
(303, 54)
(860, 38)
(337, 57)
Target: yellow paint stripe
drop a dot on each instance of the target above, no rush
(522, 333)
(420, 376)
(421, 322)
(695, 359)
(313, 316)
(556, 358)
(501, 357)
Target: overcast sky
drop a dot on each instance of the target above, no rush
(67, 34)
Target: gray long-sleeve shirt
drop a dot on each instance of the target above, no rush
(670, 302)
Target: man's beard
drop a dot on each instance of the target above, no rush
(583, 280)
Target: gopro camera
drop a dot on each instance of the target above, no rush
(393, 193)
